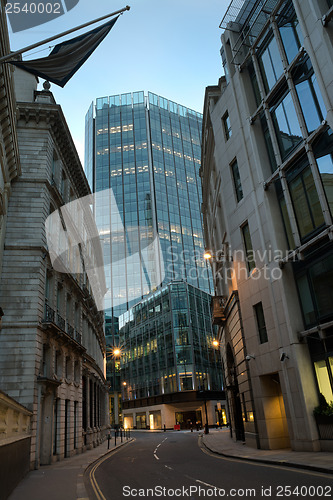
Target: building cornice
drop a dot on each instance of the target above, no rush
(49, 115)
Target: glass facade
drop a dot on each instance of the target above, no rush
(167, 344)
(143, 156)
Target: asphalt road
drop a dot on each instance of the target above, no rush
(173, 465)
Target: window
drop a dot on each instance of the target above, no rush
(323, 150)
(285, 215)
(286, 125)
(309, 94)
(237, 180)
(268, 141)
(290, 31)
(305, 199)
(63, 184)
(227, 126)
(248, 247)
(270, 64)
(254, 82)
(323, 379)
(261, 325)
(315, 288)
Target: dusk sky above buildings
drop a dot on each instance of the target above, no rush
(168, 47)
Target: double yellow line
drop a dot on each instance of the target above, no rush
(92, 478)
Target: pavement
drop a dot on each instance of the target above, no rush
(64, 480)
(219, 442)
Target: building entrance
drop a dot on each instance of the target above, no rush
(275, 414)
(186, 419)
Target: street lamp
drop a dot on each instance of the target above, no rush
(215, 343)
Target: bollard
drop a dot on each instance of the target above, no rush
(121, 435)
(115, 437)
(164, 428)
(109, 437)
(129, 433)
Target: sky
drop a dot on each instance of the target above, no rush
(168, 47)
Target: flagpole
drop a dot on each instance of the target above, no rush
(55, 37)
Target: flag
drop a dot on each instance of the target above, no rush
(67, 57)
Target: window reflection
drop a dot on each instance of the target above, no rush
(286, 125)
(323, 150)
(290, 31)
(309, 94)
(309, 215)
(270, 64)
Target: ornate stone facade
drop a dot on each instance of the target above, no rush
(52, 339)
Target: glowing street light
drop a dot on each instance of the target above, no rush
(116, 351)
(215, 343)
(207, 255)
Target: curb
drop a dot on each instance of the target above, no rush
(284, 463)
(81, 492)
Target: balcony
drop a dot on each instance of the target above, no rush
(218, 309)
(54, 318)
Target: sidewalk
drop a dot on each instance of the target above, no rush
(62, 479)
(220, 442)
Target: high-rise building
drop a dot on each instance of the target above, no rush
(143, 155)
(267, 175)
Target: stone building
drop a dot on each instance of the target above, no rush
(14, 418)
(267, 175)
(52, 340)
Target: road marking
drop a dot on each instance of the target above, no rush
(168, 467)
(94, 484)
(155, 451)
(206, 484)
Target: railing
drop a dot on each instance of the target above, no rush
(49, 314)
(54, 317)
(61, 322)
(69, 329)
(218, 309)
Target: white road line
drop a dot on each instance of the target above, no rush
(205, 484)
(168, 467)
(155, 451)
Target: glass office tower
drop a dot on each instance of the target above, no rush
(147, 150)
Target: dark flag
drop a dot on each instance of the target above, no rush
(67, 57)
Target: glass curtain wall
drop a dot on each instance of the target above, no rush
(167, 341)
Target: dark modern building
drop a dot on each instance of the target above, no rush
(170, 364)
(143, 155)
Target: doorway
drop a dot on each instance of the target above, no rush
(275, 418)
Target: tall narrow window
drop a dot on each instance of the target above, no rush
(227, 126)
(309, 94)
(305, 199)
(237, 180)
(248, 247)
(323, 150)
(270, 63)
(286, 125)
(290, 31)
(268, 141)
(261, 325)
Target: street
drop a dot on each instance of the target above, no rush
(173, 464)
